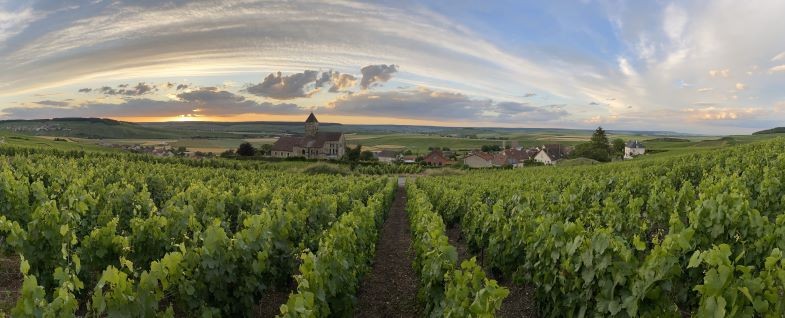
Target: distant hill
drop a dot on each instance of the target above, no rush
(274, 128)
(95, 128)
(668, 139)
(777, 130)
(101, 128)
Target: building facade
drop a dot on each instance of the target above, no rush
(312, 145)
(633, 148)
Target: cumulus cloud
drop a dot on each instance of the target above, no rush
(278, 86)
(206, 101)
(720, 72)
(713, 113)
(424, 103)
(376, 74)
(181, 87)
(338, 82)
(123, 89)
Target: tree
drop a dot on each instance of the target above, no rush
(366, 155)
(353, 154)
(588, 150)
(246, 149)
(599, 140)
(266, 149)
(180, 151)
(598, 148)
(489, 148)
(617, 146)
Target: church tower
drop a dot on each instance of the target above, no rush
(311, 126)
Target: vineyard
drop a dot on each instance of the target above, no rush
(130, 236)
(695, 235)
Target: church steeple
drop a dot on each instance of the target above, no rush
(311, 125)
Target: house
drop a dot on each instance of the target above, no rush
(478, 159)
(512, 157)
(437, 158)
(633, 148)
(387, 156)
(313, 145)
(550, 154)
(409, 159)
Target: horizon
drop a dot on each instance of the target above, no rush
(688, 67)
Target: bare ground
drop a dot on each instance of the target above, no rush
(390, 288)
(10, 282)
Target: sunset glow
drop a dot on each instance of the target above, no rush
(686, 66)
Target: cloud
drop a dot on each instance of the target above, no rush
(712, 113)
(626, 68)
(741, 86)
(206, 101)
(705, 90)
(53, 103)
(675, 21)
(529, 95)
(777, 69)
(339, 82)
(181, 87)
(123, 90)
(594, 103)
(778, 57)
(375, 74)
(425, 103)
(720, 73)
(278, 86)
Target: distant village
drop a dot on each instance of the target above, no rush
(332, 145)
(315, 144)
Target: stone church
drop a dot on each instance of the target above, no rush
(313, 145)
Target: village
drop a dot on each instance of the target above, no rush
(315, 144)
(513, 156)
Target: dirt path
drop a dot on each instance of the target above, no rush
(520, 302)
(390, 289)
(10, 282)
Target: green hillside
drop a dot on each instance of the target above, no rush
(95, 128)
(776, 130)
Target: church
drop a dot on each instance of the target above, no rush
(313, 145)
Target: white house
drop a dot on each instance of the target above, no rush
(550, 154)
(633, 148)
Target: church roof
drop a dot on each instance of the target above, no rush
(311, 119)
(634, 144)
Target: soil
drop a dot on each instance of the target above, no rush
(10, 281)
(270, 304)
(390, 288)
(519, 303)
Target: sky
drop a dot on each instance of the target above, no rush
(713, 67)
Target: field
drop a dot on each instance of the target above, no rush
(104, 233)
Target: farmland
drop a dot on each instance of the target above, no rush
(93, 233)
